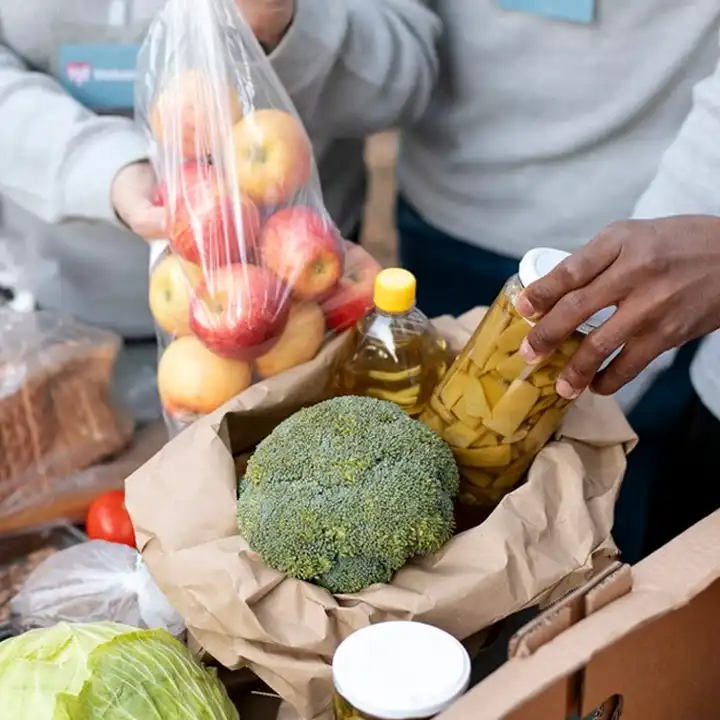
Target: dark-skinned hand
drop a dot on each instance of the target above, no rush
(662, 275)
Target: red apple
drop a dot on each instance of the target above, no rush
(192, 112)
(303, 248)
(240, 312)
(352, 298)
(272, 156)
(206, 225)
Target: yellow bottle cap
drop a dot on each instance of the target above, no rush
(395, 290)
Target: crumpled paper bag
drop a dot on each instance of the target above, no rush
(246, 615)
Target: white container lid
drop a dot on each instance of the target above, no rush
(401, 670)
(538, 262)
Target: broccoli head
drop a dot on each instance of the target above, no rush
(344, 493)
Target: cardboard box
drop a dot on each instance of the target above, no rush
(632, 644)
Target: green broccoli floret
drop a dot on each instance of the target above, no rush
(344, 493)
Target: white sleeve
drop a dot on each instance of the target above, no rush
(57, 159)
(687, 182)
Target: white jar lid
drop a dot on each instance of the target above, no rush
(401, 670)
(538, 262)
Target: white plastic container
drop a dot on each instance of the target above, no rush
(398, 671)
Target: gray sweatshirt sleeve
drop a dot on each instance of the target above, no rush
(354, 67)
(688, 182)
(58, 159)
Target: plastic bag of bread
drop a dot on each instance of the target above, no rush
(254, 277)
(57, 417)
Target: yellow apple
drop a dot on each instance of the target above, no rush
(272, 155)
(191, 112)
(191, 379)
(299, 342)
(172, 285)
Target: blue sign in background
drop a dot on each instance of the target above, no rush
(100, 76)
(580, 11)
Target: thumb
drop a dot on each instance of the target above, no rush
(135, 197)
(148, 222)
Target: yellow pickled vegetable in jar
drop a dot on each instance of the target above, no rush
(398, 671)
(494, 410)
(395, 354)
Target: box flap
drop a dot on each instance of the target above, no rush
(659, 631)
(656, 650)
(609, 584)
(667, 580)
(536, 682)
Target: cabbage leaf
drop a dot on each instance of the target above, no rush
(106, 671)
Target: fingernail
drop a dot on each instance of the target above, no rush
(524, 306)
(527, 353)
(565, 390)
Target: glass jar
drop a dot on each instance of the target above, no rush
(398, 671)
(494, 410)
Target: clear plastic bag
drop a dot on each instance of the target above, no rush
(57, 416)
(254, 270)
(14, 266)
(96, 581)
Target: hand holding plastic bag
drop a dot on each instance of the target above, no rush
(254, 273)
(95, 581)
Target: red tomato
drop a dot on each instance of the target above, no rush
(108, 519)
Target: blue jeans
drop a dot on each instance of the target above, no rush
(454, 277)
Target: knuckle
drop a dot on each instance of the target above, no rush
(621, 372)
(614, 233)
(655, 261)
(599, 346)
(541, 338)
(613, 230)
(573, 270)
(574, 303)
(541, 294)
(674, 330)
(578, 373)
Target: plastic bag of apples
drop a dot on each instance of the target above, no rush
(254, 276)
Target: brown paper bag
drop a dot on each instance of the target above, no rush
(286, 631)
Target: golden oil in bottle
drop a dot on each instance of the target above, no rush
(395, 354)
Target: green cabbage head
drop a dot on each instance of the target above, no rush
(105, 671)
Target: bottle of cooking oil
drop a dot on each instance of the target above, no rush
(395, 353)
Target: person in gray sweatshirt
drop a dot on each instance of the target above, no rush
(75, 184)
(524, 123)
